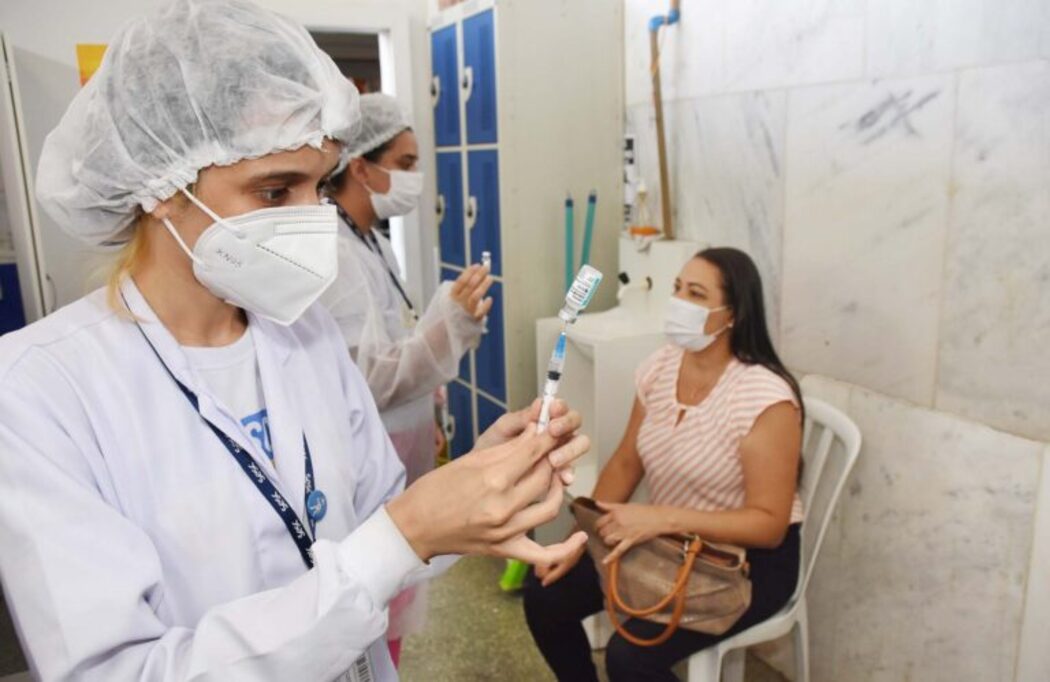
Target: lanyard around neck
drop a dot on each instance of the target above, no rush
(372, 244)
(315, 502)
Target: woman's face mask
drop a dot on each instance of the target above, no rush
(274, 262)
(685, 322)
(403, 196)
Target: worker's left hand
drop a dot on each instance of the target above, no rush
(469, 291)
(563, 425)
(626, 525)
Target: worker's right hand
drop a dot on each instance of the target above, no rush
(552, 573)
(484, 502)
(564, 423)
(469, 290)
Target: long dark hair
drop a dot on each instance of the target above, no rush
(749, 337)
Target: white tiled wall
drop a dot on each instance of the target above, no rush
(867, 165)
(887, 164)
(994, 362)
(925, 578)
(1033, 661)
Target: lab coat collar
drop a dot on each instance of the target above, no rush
(162, 340)
(273, 346)
(281, 338)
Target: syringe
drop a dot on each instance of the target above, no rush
(576, 299)
(550, 386)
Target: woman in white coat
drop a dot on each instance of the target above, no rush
(194, 480)
(403, 356)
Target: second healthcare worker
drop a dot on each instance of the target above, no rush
(148, 529)
(405, 357)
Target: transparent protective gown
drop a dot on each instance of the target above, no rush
(403, 363)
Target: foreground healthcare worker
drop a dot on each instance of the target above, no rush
(153, 526)
(403, 360)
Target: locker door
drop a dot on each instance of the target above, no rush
(465, 374)
(451, 237)
(489, 359)
(479, 78)
(444, 86)
(461, 408)
(488, 413)
(483, 208)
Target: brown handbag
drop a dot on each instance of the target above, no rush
(686, 582)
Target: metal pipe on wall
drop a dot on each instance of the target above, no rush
(661, 143)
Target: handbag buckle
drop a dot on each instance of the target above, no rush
(687, 543)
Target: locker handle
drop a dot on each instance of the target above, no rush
(435, 90)
(450, 429)
(440, 208)
(468, 82)
(472, 212)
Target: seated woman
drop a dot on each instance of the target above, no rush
(716, 433)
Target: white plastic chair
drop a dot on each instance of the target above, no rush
(830, 446)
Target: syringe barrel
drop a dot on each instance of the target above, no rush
(550, 387)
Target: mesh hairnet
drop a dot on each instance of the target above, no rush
(382, 119)
(204, 82)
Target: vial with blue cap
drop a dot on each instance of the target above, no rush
(576, 300)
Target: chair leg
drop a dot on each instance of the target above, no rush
(599, 630)
(801, 636)
(733, 665)
(705, 666)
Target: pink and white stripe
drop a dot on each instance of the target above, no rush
(695, 463)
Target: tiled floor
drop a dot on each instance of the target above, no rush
(477, 633)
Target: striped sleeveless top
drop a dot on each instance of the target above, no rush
(696, 463)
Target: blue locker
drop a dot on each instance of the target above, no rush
(489, 360)
(450, 275)
(12, 316)
(461, 408)
(488, 413)
(479, 54)
(451, 237)
(483, 206)
(445, 86)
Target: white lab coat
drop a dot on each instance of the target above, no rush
(132, 545)
(403, 364)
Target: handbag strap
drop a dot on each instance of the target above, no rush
(615, 603)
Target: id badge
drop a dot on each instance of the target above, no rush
(360, 671)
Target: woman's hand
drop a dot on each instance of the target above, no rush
(563, 426)
(469, 291)
(485, 501)
(551, 573)
(626, 525)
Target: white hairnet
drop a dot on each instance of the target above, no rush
(382, 119)
(204, 82)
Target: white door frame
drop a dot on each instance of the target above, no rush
(414, 233)
(17, 182)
